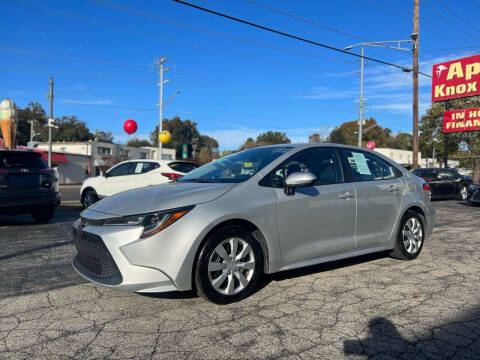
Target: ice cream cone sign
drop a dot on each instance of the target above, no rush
(8, 122)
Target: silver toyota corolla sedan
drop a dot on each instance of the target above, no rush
(263, 210)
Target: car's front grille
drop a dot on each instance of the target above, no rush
(476, 196)
(94, 259)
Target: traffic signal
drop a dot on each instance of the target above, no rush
(186, 151)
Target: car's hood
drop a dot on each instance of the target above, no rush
(160, 197)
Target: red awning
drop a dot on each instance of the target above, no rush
(57, 158)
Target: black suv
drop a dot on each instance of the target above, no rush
(445, 183)
(27, 185)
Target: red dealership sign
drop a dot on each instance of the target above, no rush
(456, 78)
(461, 120)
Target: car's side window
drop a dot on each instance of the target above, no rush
(323, 163)
(149, 166)
(121, 170)
(367, 167)
(445, 175)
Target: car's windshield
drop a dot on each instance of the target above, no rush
(237, 167)
(14, 159)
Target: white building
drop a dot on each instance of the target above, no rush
(104, 155)
(404, 157)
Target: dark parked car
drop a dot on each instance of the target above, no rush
(474, 194)
(445, 183)
(27, 185)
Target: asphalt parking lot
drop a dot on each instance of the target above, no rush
(368, 307)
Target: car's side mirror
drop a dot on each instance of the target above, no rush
(105, 175)
(298, 179)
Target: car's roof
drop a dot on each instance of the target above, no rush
(309, 145)
(157, 161)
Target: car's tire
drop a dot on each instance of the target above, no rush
(89, 197)
(410, 237)
(43, 214)
(228, 275)
(462, 193)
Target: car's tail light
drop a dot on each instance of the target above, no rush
(172, 176)
(426, 187)
(2, 171)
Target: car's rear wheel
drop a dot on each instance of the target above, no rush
(410, 237)
(229, 265)
(462, 193)
(43, 214)
(89, 197)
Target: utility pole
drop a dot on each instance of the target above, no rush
(160, 62)
(414, 37)
(360, 120)
(50, 124)
(32, 130)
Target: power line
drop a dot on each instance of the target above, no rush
(456, 15)
(278, 32)
(157, 18)
(431, 25)
(305, 20)
(449, 21)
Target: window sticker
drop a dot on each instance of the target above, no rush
(361, 162)
(138, 168)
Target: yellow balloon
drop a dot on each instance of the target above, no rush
(165, 136)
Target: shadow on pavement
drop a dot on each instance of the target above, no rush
(458, 339)
(32, 250)
(62, 214)
(314, 269)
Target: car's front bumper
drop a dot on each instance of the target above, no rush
(116, 256)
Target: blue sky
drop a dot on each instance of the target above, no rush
(235, 81)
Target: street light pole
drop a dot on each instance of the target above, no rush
(414, 37)
(383, 44)
(50, 123)
(160, 63)
(360, 121)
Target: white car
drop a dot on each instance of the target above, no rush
(132, 174)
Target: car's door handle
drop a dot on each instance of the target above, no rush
(346, 195)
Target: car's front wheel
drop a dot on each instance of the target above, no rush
(89, 197)
(229, 265)
(410, 237)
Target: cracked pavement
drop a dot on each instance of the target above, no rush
(367, 307)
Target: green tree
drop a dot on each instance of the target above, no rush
(105, 136)
(315, 138)
(460, 144)
(184, 132)
(347, 133)
(69, 129)
(35, 112)
(136, 142)
(271, 138)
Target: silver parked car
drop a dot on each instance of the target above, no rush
(263, 210)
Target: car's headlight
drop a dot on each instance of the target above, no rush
(152, 223)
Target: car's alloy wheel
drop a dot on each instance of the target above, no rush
(463, 193)
(229, 265)
(410, 237)
(412, 234)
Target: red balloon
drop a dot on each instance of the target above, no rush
(130, 126)
(371, 145)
